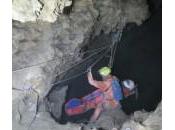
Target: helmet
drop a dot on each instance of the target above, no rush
(129, 84)
(105, 71)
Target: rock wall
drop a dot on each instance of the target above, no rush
(47, 42)
(40, 49)
(33, 10)
(113, 12)
(145, 121)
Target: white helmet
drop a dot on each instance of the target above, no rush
(129, 84)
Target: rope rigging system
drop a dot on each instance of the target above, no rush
(56, 58)
(116, 37)
(110, 48)
(83, 60)
(91, 66)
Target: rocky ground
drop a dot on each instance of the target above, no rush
(145, 121)
(47, 38)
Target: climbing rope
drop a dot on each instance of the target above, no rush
(83, 60)
(75, 76)
(22, 68)
(96, 49)
(116, 37)
(105, 53)
(56, 58)
(72, 77)
(112, 48)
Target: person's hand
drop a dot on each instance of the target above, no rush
(89, 70)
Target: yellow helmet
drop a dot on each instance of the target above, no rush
(105, 71)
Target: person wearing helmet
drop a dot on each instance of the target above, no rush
(129, 87)
(112, 90)
(110, 99)
(107, 96)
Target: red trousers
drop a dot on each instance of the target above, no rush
(77, 106)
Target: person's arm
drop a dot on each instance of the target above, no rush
(96, 113)
(97, 84)
(91, 80)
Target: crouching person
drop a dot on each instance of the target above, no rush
(107, 96)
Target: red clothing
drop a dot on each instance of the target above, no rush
(106, 87)
(102, 96)
(77, 106)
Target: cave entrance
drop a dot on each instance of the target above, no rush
(138, 57)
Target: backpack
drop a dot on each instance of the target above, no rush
(117, 90)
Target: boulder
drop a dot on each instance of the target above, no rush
(117, 13)
(150, 121)
(44, 10)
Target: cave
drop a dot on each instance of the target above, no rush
(53, 49)
(138, 56)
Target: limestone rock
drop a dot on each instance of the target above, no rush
(32, 10)
(24, 108)
(24, 10)
(31, 47)
(44, 121)
(132, 125)
(111, 119)
(40, 49)
(140, 116)
(153, 121)
(56, 100)
(113, 13)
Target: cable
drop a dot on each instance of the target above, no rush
(18, 89)
(75, 76)
(100, 50)
(115, 47)
(34, 65)
(81, 61)
(22, 68)
(91, 66)
(95, 49)
(57, 57)
(116, 39)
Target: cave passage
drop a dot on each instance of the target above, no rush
(138, 57)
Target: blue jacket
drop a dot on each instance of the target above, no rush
(117, 90)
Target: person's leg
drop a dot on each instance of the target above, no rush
(97, 113)
(92, 100)
(77, 106)
(74, 107)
